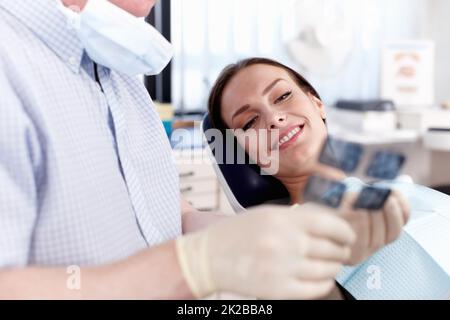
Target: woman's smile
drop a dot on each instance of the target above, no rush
(289, 136)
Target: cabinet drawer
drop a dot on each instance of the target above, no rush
(198, 187)
(195, 172)
(207, 202)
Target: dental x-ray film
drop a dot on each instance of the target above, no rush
(369, 161)
(372, 198)
(385, 165)
(342, 155)
(324, 191)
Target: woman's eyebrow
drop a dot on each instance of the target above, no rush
(240, 110)
(266, 90)
(270, 86)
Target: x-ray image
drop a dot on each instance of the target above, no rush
(342, 155)
(372, 198)
(385, 165)
(325, 191)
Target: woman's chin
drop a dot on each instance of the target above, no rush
(300, 153)
(299, 161)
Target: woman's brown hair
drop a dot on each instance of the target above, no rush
(215, 97)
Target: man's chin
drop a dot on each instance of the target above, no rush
(141, 13)
(138, 8)
(145, 9)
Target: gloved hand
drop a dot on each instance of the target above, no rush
(374, 229)
(269, 252)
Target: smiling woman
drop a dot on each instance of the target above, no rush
(262, 94)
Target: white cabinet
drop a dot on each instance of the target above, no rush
(198, 182)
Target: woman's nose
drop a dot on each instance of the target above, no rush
(277, 121)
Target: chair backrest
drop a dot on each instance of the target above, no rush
(244, 185)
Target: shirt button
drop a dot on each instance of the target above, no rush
(73, 61)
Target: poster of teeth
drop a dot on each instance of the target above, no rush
(407, 73)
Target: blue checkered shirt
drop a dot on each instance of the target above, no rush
(87, 175)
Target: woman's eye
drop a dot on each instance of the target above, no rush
(249, 124)
(283, 97)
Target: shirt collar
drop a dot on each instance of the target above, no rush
(48, 23)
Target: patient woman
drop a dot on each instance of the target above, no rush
(260, 94)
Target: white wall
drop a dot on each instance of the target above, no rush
(209, 34)
(375, 22)
(438, 29)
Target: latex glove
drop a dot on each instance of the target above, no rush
(269, 252)
(374, 229)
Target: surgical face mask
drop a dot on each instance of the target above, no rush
(118, 40)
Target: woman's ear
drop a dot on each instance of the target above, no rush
(319, 105)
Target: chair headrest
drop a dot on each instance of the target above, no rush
(245, 182)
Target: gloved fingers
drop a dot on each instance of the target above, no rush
(362, 225)
(394, 219)
(328, 250)
(329, 226)
(347, 203)
(318, 270)
(404, 204)
(301, 289)
(378, 227)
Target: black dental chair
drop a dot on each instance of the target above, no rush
(244, 185)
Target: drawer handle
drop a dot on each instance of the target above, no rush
(187, 174)
(187, 189)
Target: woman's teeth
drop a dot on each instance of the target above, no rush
(289, 136)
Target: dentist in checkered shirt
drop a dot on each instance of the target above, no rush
(87, 178)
